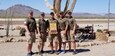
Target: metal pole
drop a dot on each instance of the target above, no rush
(109, 14)
(12, 14)
(8, 25)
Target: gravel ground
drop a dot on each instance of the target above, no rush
(19, 49)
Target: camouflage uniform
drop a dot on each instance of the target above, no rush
(31, 25)
(53, 36)
(72, 23)
(42, 25)
(63, 23)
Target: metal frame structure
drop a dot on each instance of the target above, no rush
(109, 6)
(56, 7)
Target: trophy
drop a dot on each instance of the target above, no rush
(53, 28)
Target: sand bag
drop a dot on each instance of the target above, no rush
(100, 36)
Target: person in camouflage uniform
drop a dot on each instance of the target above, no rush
(71, 32)
(42, 30)
(63, 25)
(31, 28)
(53, 33)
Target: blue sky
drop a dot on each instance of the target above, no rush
(88, 6)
